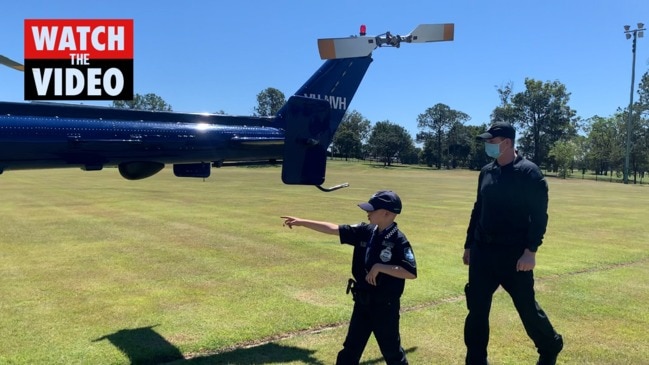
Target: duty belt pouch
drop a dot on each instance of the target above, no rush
(351, 287)
(359, 296)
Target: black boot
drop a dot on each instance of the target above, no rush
(550, 357)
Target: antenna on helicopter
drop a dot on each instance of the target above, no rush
(335, 187)
(360, 46)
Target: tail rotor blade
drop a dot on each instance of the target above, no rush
(354, 46)
(333, 48)
(432, 33)
(11, 63)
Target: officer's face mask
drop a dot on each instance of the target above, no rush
(493, 149)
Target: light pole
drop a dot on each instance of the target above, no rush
(637, 33)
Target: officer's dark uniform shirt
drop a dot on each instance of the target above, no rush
(389, 247)
(511, 207)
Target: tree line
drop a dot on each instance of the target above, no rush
(549, 132)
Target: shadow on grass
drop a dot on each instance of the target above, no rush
(266, 354)
(270, 353)
(380, 359)
(145, 346)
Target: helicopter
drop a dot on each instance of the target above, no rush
(45, 135)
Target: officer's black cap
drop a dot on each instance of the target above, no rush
(499, 129)
(384, 199)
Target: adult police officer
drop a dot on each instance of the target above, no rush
(382, 260)
(507, 225)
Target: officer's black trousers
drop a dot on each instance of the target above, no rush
(489, 268)
(382, 319)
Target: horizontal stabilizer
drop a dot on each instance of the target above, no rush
(361, 46)
(11, 63)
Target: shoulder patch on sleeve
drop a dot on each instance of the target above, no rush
(409, 256)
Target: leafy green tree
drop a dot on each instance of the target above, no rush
(543, 113)
(427, 154)
(618, 158)
(434, 123)
(459, 142)
(564, 153)
(388, 141)
(506, 111)
(639, 152)
(581, 157)
(605, 148)
(352, 131)
(269, 102)
(643, 93)
(477, 157)
(644, 149)
(149, 101)
(410, 155)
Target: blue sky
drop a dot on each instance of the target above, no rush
(205, 56)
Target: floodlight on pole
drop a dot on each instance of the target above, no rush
(637, 33)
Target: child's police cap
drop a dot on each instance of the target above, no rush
(384, 199)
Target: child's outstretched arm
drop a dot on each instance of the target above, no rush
(324, 227)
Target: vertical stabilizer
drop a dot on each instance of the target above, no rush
(313, 114)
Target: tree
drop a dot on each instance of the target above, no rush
(638, 154)
(477, 157)
(434, 123)
(564, 153)
(543, 113)
(643, 93)
(269, 102)
(388, 141)
(605, 150)
(505, 112)
(459, 143)
(149, 101)
(352, 131)
(581, 157)
(410, 155)
(427, 154)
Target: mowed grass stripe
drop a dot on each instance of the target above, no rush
(579, 313)
(207, 265)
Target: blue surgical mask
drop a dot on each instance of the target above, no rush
(492, 149)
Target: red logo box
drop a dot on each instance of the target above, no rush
(78, 59)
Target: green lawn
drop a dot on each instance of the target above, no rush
(100, 270)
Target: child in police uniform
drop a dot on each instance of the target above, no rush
(382, 260)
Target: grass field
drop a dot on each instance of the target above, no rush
(100, 270)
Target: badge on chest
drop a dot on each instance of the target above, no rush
(386, 252)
